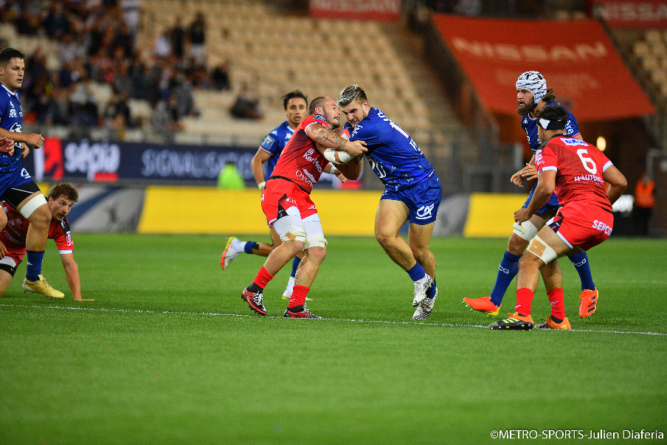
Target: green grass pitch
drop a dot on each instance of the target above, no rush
(169, 354)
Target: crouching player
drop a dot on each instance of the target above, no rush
(13, 241)
(290, 211)
(576, 171)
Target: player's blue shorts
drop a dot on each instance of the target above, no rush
(13, 179)
(422, 199)
(551, 205)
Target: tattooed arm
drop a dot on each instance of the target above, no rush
(326, 138)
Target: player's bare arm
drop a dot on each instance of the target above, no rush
(328, 139)
(3, 248)
(72, 274)
(256, 165)
(546, 184)
(617, 183)
(25, 150)
(36, 140)
(330, 168)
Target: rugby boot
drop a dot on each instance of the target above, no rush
(41, 287)
(482, 305)
(515, 322)
(425, 307)
(550, 324)
(254, 300)
(421, 286)
(228, 254)
(305, 313)
(589, 302)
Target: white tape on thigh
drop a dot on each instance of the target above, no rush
(317, 240)
(542, 250)
(290, 225)
(8, 261)
(526, 230)
(32, 205)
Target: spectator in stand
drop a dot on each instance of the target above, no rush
(246, 106)
(197, 34)
(644, 203)
(132, 10)
(220, 76)
(178, 38)
(162, 47)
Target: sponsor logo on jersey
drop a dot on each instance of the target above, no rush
(602, 227)
(572, 142)
(308, 155)
(425, 212)
(588, 178)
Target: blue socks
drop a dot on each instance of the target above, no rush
(417, 272)
(249, 246)
(34, 268)
(509, 268)
(295, 265)
(430, 293)
(580, 261)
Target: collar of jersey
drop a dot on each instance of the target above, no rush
(8, 90)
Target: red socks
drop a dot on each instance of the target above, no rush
(557, 306)
(262, 278)
(524, 298)
(298, 298)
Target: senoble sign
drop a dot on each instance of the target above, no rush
(356, 9)
(576, 58)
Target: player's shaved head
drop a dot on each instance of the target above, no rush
(317, 102)
(350, 94)
(66, 190)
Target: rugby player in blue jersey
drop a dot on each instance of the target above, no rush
(295, 104)
(532, 97)
(16, 186)
(412, 193)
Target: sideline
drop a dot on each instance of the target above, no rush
(350, 320)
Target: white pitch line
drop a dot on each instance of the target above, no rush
(351, 320)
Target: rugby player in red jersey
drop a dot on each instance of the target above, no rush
(13, 241)
(290, 211)
(577, 172)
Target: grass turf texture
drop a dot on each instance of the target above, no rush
(153, 361)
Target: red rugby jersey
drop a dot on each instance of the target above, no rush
(301, 162)
(14, 234)
(579, 166)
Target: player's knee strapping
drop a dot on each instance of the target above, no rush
(29, 208)
(316, 240)
(542, 250)
(526, 230)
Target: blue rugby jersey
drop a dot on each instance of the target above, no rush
(529, 124)
(274, 143)
(395, 158)
(11, 119)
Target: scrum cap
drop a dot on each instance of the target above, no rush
(534, 82)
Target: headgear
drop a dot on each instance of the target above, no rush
(534, 82)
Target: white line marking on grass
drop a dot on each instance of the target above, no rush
(350, 320)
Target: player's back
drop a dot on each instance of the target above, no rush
(301, 162)
(394, 156)
(579, 167)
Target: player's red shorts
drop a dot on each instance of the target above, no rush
(583, 225)
(279, 195)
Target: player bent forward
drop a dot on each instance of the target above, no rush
(290, 211)
(576, 171)
(13, 239)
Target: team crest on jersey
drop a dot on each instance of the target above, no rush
(268, 141)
